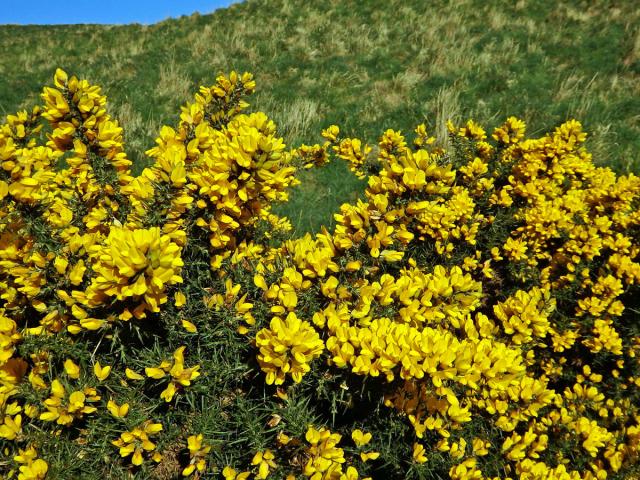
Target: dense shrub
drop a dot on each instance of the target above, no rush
(474, 316)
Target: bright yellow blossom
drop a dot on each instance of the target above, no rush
(101, 372)
(136, 442)
(287, 346)
(197, 451)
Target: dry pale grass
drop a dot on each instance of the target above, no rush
(295, 120)
(445, 106)
(580, 92)
(128, 116)
(173, 82)
(634, 53)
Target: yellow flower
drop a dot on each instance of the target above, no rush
(188, 326)
(230, 474)
(472, 131)
(525, 315)
(133, 375)
(353, 152)
(287, 347)
(101, 372)
(32, 468)
(64, 409)
(180, 376)
(324, 455)
(72, 369)
(369, 456)
(136, 442)
(480, 446)
(418, 453)
(179, 299)
(138, 265)
(264, 462)
(391, 255)
(37, 470)
(515, 249)
(197, 453)
(11, 427)
(259, 281)
(116, 410)
(331, 133)
(512, 131)
(360, 438)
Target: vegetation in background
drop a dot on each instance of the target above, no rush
(367, 65)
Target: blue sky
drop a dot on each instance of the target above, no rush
(49, 12)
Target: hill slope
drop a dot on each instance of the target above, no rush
(367, 65)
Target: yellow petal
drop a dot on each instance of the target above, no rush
(57, 389)
(49, 416)
(133, 375)
(137, 458)
(180, 299)
(189, 327)
(91, 323)
(168, 393)
(188, 470)
(72, 369)
(117, 411)
(152, 428)
(60, 265)
(60, 78)
(260, 282)
(156, 373)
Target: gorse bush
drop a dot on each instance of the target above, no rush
(475, 316)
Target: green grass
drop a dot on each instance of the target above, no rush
(367, 65)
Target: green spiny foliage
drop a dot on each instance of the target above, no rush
(366, 65)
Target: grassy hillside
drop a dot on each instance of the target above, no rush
(366, 65)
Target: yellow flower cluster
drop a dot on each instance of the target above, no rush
(63, 409)
(198, 451)
(361, 439)
(326, 459)
(98, 165)
(287, 347)
(136, 443)
(480, 278)
(180, 376)
(134, 264)
(525, 315)
(448, 218)
(485, 298)
(84, 245)
(31, 467)
(219, 170)
(235, 303)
